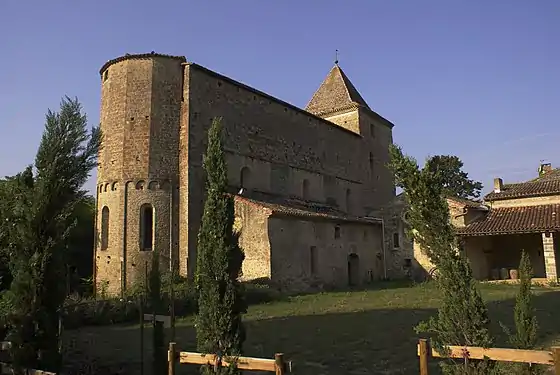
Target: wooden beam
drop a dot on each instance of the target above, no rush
(243, 363)
(497, 354)
(159, 318)
(556, 353)
(423, 353)
(171, 359)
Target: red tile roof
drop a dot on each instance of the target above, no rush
(468, 202)
(547, 184)
(291, 207)
(508, 220)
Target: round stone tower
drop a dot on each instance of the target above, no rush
(138, 172)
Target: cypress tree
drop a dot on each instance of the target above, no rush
(37, 234)
(156, 303)
(219, 325)
(462, 318)
(525, 335)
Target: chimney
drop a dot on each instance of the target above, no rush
(544, 168)
(498, 185)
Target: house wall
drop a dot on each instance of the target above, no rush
(519, 202)
(477, 249)
(506, 252)
(292, 239)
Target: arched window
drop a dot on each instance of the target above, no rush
(305, 189)
(146, 227)
(348, 200)
(105, 228)
(245, 177)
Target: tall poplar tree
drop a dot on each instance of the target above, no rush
(36, 233)
(219, 326)
(462, 318)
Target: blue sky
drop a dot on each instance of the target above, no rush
(477, 79)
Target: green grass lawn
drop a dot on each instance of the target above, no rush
(348, 332)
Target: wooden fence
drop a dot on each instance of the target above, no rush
(543, 357)
(277, 365)
(6, 368)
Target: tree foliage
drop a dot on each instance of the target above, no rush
(35, 233)
(462, 318)
(525, 335)
(219, 325)
(454, 181)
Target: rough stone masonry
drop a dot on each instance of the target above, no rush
(304, 181)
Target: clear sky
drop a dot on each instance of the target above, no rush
(478, 79)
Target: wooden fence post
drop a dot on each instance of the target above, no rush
(556, 355)
(280, 364)
(424, 354)
(171, 358)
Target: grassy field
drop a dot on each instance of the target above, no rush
(347, 332)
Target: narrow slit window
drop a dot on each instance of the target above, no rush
(396, 241)
(146, 227)
(305, 189)
(313, 260)
(105, 228)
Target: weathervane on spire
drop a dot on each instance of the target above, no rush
(336, 57)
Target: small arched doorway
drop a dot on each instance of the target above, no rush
(353, 269)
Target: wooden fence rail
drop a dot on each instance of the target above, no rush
(543, 357)
(277, 365)
(6, 368)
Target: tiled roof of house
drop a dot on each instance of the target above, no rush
(335, 93)
(468, 202)
(279, 206)
(526, 189)
(554, 174)
(508, 220)
(546, 184)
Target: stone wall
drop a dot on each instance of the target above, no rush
(550, 258)
(251, 221)
(306, 252)
(138, 163)
(283, 147)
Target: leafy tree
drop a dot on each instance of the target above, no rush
(454, 181)
(220, 304)
(80, 246)
(525, 335)
(462, 318)
(36, 233)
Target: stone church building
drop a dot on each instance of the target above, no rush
(304, 180)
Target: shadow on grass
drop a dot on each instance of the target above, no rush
(379, 341)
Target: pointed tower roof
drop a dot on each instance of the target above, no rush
(336, 93)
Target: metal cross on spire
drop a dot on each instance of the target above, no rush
(336, 57)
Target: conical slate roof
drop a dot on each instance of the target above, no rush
(335, 93)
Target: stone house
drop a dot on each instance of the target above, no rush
(511, 218)
(304, 180)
